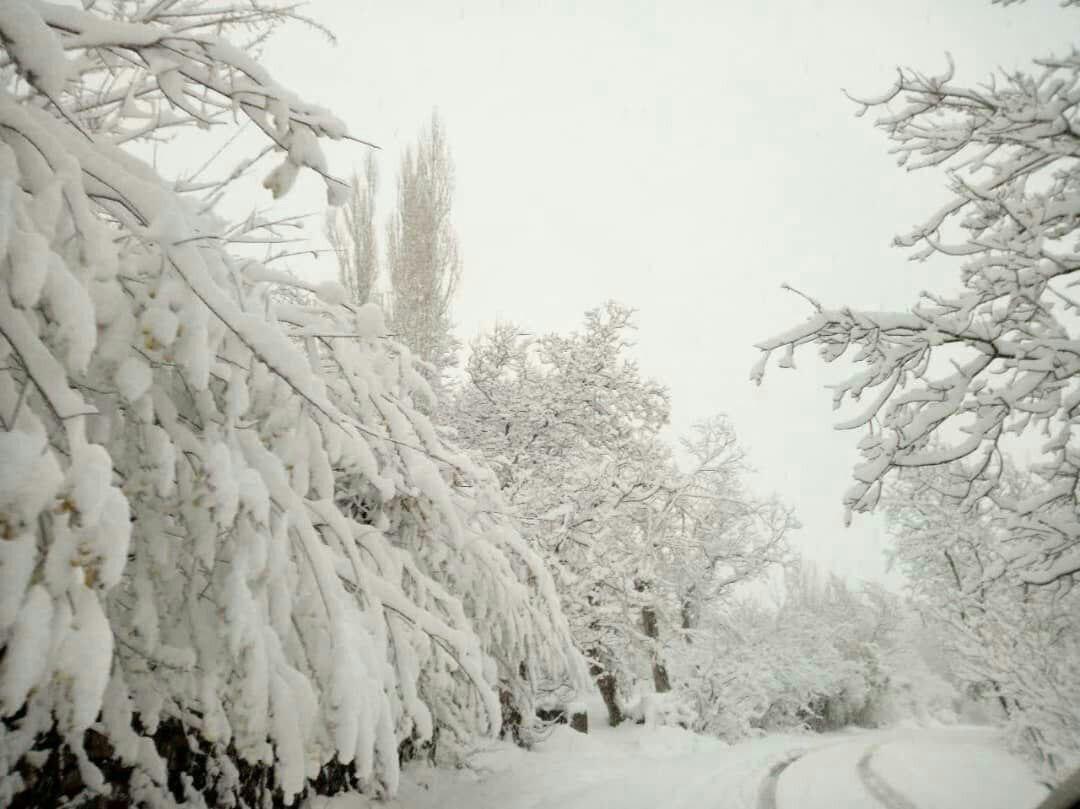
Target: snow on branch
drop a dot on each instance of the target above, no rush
(953, 377)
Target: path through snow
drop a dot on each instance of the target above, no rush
(909, 768)
(646, 768)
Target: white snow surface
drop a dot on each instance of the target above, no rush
(643, 767)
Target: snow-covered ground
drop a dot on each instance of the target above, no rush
(635, 767)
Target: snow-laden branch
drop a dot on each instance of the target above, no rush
(953, 377)
(220, 512)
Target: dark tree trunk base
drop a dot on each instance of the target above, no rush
(187, 757)
(579, 721)
(608, 690)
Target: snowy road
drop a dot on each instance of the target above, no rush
(878, 786)
(905, 769)
(646, 768)
(767, 799)
(870, 787)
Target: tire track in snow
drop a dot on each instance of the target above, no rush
(884, 792)
(767, 795)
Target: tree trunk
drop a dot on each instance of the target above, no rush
(659, 670)
(605, 681)
(688, 613)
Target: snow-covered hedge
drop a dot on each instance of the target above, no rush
(826, 657)
(219, 511)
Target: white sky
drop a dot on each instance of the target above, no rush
(684, 159)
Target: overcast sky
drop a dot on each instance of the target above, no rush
(684, 158)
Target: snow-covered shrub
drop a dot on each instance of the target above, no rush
(669, 709)
(825, 657)
(222, 519)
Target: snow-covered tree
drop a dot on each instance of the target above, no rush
(703, 535)
(350, 230)
(1004, 640)
(720, 535)
(570, 428)
(640, 546)
(422, 254)
(953, 377)
(235, 559)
